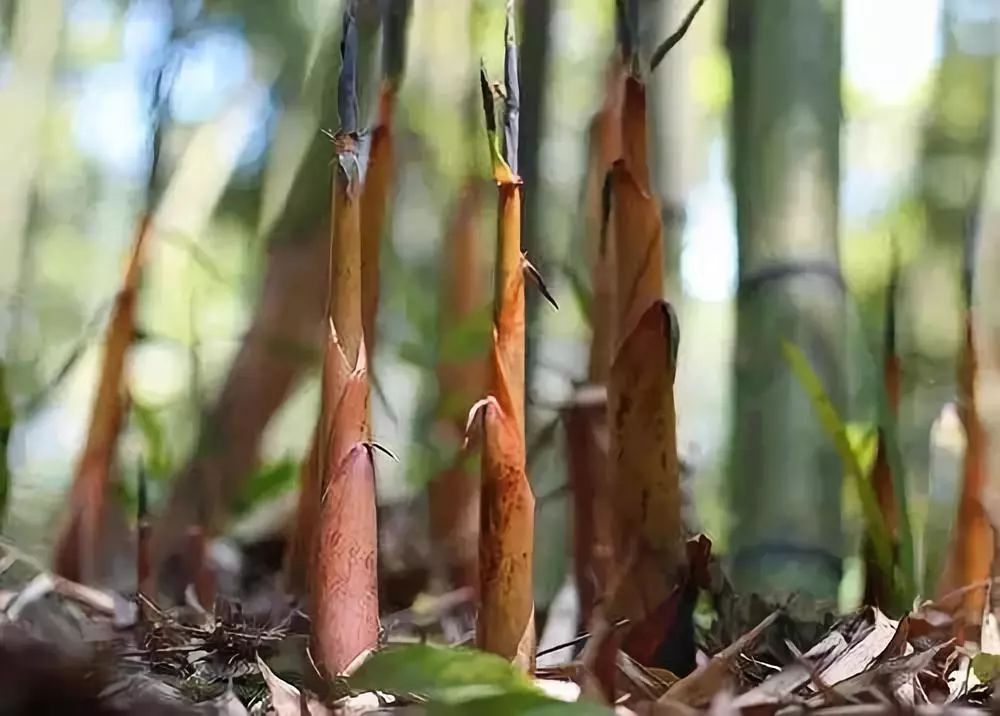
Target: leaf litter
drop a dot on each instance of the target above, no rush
(142, 658)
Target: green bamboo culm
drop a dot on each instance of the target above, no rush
(786, 477)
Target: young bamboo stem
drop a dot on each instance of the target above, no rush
(879, 589)
(344, 586)
(644, 467)
(79, 547)
(585, 418)
(505, 620)
(381, 163)
(453, 496)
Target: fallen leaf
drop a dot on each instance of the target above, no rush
(449, 675)
(989, 635)
(889, 675)
(863, 653)
(286, 700)
(700, 687)
(779, 688)
(986, 667)
(558, 689)
(228, 705)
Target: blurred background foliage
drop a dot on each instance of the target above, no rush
(243, 168)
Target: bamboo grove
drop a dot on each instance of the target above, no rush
(637, 573)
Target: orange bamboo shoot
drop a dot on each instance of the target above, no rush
(973, 557)
(78, 553)
(585, 418)
(342, 578)
(644, 466)
(345, 585)
(505, 621)
(454, 495)
(344, 310)
(374, 201)
(879, 586)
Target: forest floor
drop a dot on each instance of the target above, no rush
(68, 648)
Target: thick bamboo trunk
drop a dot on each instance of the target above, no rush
(786, 537)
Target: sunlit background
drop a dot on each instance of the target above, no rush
(75, 131)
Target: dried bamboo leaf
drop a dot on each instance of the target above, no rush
(700, 687)
(780, 687)
(287, 700)
(889, 675)
(78, 549)
(867, 651)
(664, 47)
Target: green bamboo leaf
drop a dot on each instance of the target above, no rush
(986, 667)
(492, 113)
(157, 457)
(580, 287)
(469, 338)
(887, 422)
(521, 704)
(449, 675)
(416, 353)
(267, 483)
(863, 438)
(836, 430)
(907, 562)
